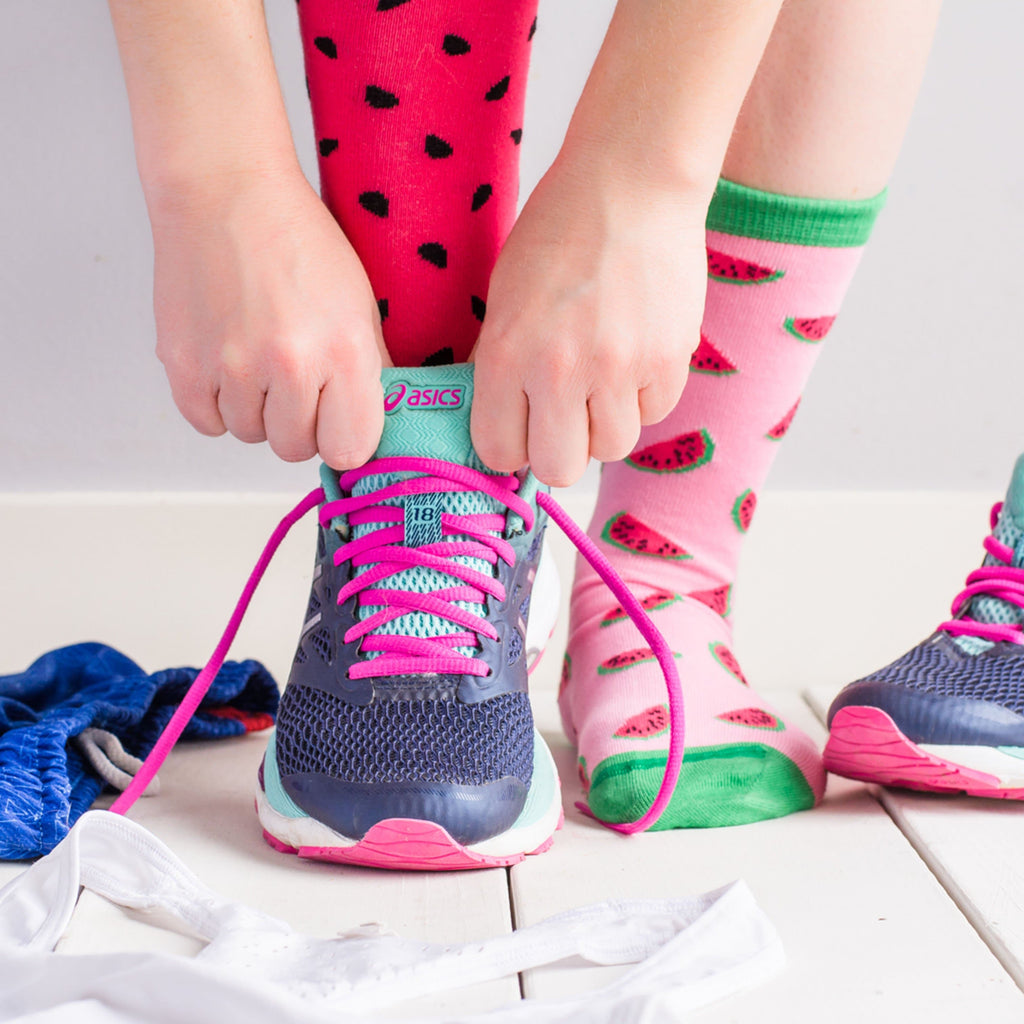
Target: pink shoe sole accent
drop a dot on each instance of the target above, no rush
(405, 844)
(864, 743)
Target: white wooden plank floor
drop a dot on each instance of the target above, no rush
(889, 905)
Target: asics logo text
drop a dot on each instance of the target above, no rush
(401, 394)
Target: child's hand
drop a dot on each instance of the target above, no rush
(594, 309)
(266, 322)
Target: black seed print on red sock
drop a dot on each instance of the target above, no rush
(328, 146)
(480, 196)
(309, 95)
(442, 357)
(437, 148)
(498, 90)
(325, 44)
(479, 307)
(533, 30)
(382, 307)
(455, 46)
(516, 135)
(386, 5)
(434, 252)
(375, 202)
(380, 99)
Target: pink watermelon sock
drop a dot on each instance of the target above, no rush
(672, 518)
(418, 108)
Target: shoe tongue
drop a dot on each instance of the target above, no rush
(1009, 530)
(426, 413)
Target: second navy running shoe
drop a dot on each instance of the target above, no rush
(948, 716)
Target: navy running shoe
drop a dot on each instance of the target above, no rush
(949, 715)
(405, 736)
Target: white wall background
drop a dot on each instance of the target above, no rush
(921, 384)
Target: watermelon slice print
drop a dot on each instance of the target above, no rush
(718, 599)
(651, 603)
(629, 533)
(743, 510)
(755, 718)
(730, 270)
(728, 661)
(677, 455)
(649, 723)
(707, 359)
(779, 431)
(627, 659)
(809, 328)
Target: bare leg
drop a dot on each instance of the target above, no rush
(827, 110)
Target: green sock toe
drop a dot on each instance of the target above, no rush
(730, 784)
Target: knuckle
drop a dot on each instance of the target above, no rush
(287, 361)
(667, 369)
(612, 361)
(355, 340)
(235, 362)
(563, 357)
(497, 359)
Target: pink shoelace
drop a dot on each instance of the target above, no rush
(1003, 582)
(384, 550)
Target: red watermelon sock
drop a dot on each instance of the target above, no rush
(672, 518)
(418, 108)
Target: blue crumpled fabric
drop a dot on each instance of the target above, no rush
(45, 784)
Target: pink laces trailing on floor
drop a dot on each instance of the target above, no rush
(384, 549)
(1003, 582)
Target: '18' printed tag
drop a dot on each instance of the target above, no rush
(423, 519)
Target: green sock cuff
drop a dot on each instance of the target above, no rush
(833, 223)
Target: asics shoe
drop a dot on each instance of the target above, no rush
(405, 736)
(949, 715)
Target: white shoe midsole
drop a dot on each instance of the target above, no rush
(1007, 768)
(308, 832)
(544, 602)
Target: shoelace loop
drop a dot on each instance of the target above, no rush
(384, 553)
(1002, 582)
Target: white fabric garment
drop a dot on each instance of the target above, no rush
(255, 968)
